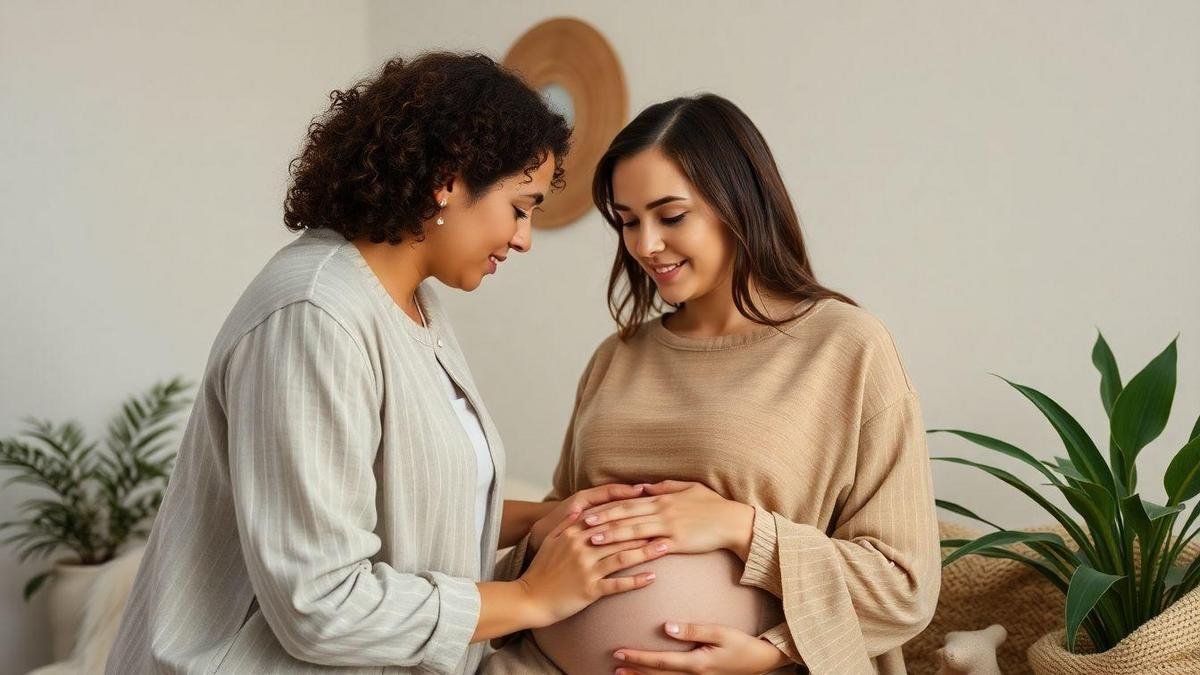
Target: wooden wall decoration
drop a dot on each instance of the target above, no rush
(577, 71)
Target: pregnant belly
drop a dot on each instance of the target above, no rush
(701, 588)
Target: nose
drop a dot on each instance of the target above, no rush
(646, 242)
(522, 240)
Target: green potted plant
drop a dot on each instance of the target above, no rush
(1122, 563)
(97, 501)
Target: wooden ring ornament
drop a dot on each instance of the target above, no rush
(573, 55)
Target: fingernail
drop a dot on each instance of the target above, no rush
(661, 548)
(620, 656)
(673, 628)
(597, 538)
(592, 520)
(651, 576)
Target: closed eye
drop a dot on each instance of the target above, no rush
(673, 220)
(521, 214)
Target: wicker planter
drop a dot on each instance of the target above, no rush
(1168, 643)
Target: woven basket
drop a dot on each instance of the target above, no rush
(1168, 643)
(977, 592)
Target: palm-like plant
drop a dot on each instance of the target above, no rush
(1123, 565)
(99, 500)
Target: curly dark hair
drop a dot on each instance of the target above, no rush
(373, 160)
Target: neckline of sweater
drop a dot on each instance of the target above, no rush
(800, 312)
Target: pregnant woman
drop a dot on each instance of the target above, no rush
(335, 504)
(769, 419)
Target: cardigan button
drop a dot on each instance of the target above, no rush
(440, 343)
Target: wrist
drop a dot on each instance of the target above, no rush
(544, 508)
(532, 609)
(776, 659)
(535, 537)
(740, 529)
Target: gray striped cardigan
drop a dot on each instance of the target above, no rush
(321, 511)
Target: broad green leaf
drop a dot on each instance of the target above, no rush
(1110, 375)
(1066, 468)
(1134, 510)
(996, 552)
(1154, 511)
(1195, 430)
(1140, 412)
(1001, 447)
(1092, 502)
(1095, 505)
(1073, 529)
(1086, 588)
(1182, 479)
(1174, 576)
(1184, 535)
(963, 511)
(1082, 450)
(34, 584)
(1001, 538)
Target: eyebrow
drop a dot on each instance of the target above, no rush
(657, 202)
(537, 197)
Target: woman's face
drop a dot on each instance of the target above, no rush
(669, 230)
(476, 238)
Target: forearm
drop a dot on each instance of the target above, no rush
(506, 607)
(518, 517)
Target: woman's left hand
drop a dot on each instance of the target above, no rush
(689, 516)
(721, 651)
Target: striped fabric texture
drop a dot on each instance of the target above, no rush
(322, 511)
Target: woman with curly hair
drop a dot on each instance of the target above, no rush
(335, 501)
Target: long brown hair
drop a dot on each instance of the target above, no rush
(727, 159)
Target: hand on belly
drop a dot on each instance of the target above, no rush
(689, 588)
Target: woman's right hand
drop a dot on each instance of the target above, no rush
(578, 503)
(569, 573)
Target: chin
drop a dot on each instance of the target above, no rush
(463, 283)
(674, 298)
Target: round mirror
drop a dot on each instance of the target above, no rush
(573, 67)
(559, 100)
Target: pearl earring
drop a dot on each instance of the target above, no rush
(440, 220)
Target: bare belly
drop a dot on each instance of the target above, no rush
(699, 588)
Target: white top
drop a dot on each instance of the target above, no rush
(483, 459)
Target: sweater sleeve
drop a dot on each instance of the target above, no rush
(872, 584)
(303, 429)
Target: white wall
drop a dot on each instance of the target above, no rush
(994, 180)
(142, 160)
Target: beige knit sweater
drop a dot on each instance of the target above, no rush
(818, 428)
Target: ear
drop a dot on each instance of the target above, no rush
(446, 190)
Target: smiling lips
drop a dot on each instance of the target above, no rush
(664, 273)
(494, 263)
